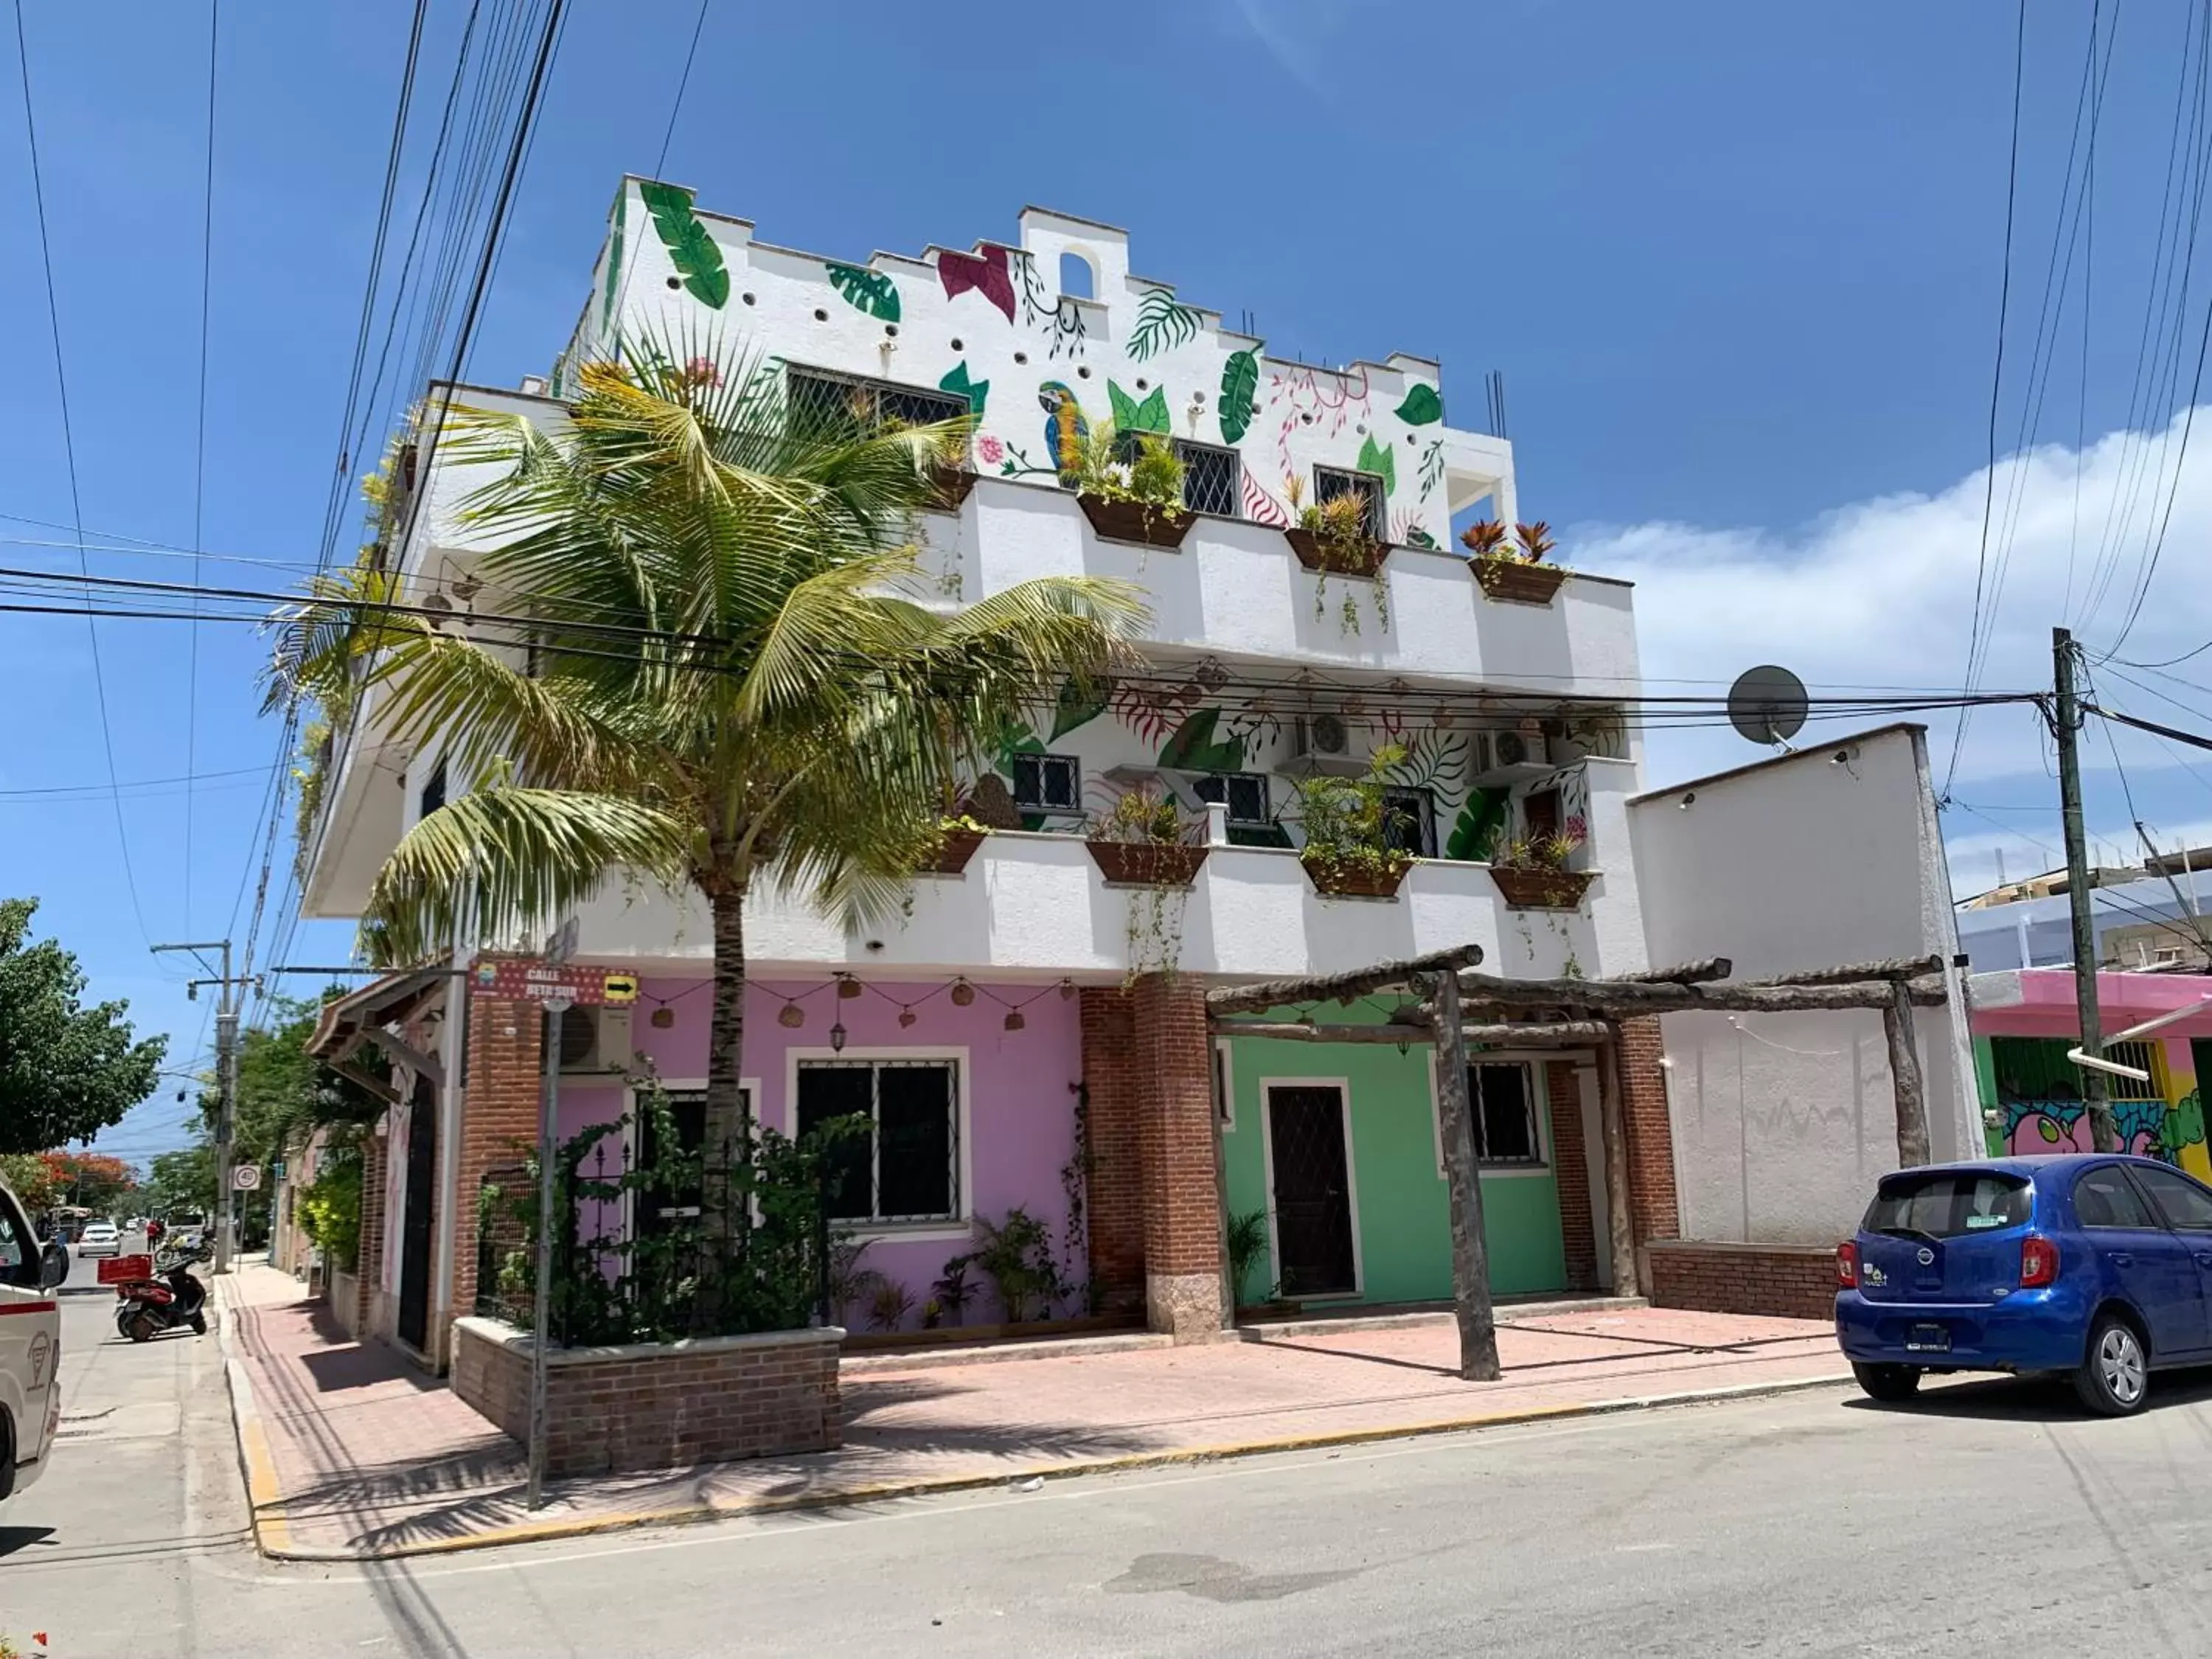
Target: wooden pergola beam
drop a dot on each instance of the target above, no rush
(1544, 1033)
(1626, 1000)
(1904, 967)
(1682, 972)
(1316, 987)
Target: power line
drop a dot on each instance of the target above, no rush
(684, 82)
(69, 451)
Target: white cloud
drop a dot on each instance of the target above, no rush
(1881, 593)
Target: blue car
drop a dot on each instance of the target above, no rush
(2097, 1267)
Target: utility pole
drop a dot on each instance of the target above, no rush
(2104, 1134)
(229, 994)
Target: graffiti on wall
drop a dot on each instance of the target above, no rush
(2037, 1127)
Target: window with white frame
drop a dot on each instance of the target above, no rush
(1331, 482)
(907, 1166)
(1502, 1096)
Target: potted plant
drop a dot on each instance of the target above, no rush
(959, 838)
(1143, 840)
(1331, 537)
(1132, 496)
(1516, 569)
(1347, 851)
(950, 477)
(1246, 1242)
(1533, 874)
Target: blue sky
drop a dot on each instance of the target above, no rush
(1739, 264)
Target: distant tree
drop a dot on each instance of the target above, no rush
(67, 1071)
(284, 1092)
(32, 1181)
(91, 1180)
(182, 1179)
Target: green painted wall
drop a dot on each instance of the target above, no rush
(1403, 1221)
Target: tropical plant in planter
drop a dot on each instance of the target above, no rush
(1347, 847)
(1533, 874)
(1144, 841)
(1247, 1246)
(1516, 569)
(1131, 495)
(950, 477)
(958, 837)
(1331, 537)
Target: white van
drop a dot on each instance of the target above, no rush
(30, 1346)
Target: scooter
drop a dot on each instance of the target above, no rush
(147, 1307)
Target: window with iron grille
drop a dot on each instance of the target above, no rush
(1409, 823)
(1244, 794)
(2036, 1068)
(1210, 477)
(827, 404)
(1048, 783)
(1500, 1095)
(433, 792)
(1330, 481)
(907, 1168)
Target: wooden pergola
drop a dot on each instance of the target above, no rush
(1461, 1008)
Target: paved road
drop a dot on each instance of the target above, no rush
(1994, 1519)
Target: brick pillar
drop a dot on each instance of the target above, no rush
(1571, 1165)
(498, 1116)
(1116, 1192)
(1653, 1210)
(368, 1260)
(1181, 1202)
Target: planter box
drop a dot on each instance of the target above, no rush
(1355, 884)
(1517, 583)
(1146, 863)
(1366, 560)
(345, 1301)
(1133, 521)
(952, 485)
(1543, 890)
(960, 845)
(657, 1406)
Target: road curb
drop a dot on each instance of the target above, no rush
(272, 1530)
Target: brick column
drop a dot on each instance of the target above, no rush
(1571, 1165)
(1116, 1191)
(368, 1260)
(498, 1116)
(1182, 1203)
(1653, 1209)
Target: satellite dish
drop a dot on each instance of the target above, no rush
(1767, 705)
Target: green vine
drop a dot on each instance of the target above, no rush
(1075, 1184)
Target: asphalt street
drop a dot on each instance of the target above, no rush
(1992, 1518)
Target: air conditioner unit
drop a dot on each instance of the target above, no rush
(595, 1039)
(1512, 753)
(1322, 743)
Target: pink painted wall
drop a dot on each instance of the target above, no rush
(1021, 1124)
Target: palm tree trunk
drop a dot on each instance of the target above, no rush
(728, 1132)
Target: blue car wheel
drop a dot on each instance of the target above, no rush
(2114, 1377)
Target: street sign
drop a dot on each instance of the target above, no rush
(516, 979)
(245, 1177)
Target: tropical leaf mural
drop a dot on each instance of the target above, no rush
(1377, 458)
(985, 273)
(615, 255)
(1432, 468)
(1421, 406)
(1435, 761)
(1162, 324)
(1481, 820)
(1130, 415)
(1195, 748)
(1072, 708)
(957, 382)
(865, 291)
(1240, 381)
(696, 256)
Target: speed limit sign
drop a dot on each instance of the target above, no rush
(245, 1177)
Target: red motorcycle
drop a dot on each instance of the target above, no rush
(158, 1294)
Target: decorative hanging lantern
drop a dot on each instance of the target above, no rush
(847, 988)
(837, 1038)
(791, 1016)
(663, 1017)
(905, 1017)
(963, 993)
(1068, 990)
(1014, 1020)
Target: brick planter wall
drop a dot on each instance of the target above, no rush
(498, 1116)
(608, 1410)
(345, 1303)
(1790, 1281)
(1577, 1232)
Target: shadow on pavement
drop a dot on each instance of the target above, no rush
(16, 1538)
(2036, 1399)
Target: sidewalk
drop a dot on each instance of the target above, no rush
(351, 1454)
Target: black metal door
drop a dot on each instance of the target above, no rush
(415, 1227)
(1313, 1191)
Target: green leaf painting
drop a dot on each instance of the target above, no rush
(1434, 760)
(1432, 468)
(1377, 458)
(1480, 822)
(1016, 739)
(1072, 710)
(615, 254)
(1195, 749)
(1421, 406)
(1130, 415)
(1240, 380)
(695, 255)
(1162, 326)
(957, 382)
(866, 290)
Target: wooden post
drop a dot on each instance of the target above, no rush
(1905, 1073)
(1613, 1128)
(1478, 1327)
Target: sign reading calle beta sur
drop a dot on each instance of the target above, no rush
(519, 979)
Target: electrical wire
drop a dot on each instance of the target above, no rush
(69, 451)
(683, 81)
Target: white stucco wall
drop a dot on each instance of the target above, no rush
(1823, 858)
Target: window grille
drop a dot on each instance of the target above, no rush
(1504, 1104)
(1244, 794)
(1409, 823)
(1330, 481)
(1211, 480)
(833, 405)
(1048, 783)
(907, 1168)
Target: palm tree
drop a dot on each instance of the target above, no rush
(711, 667)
